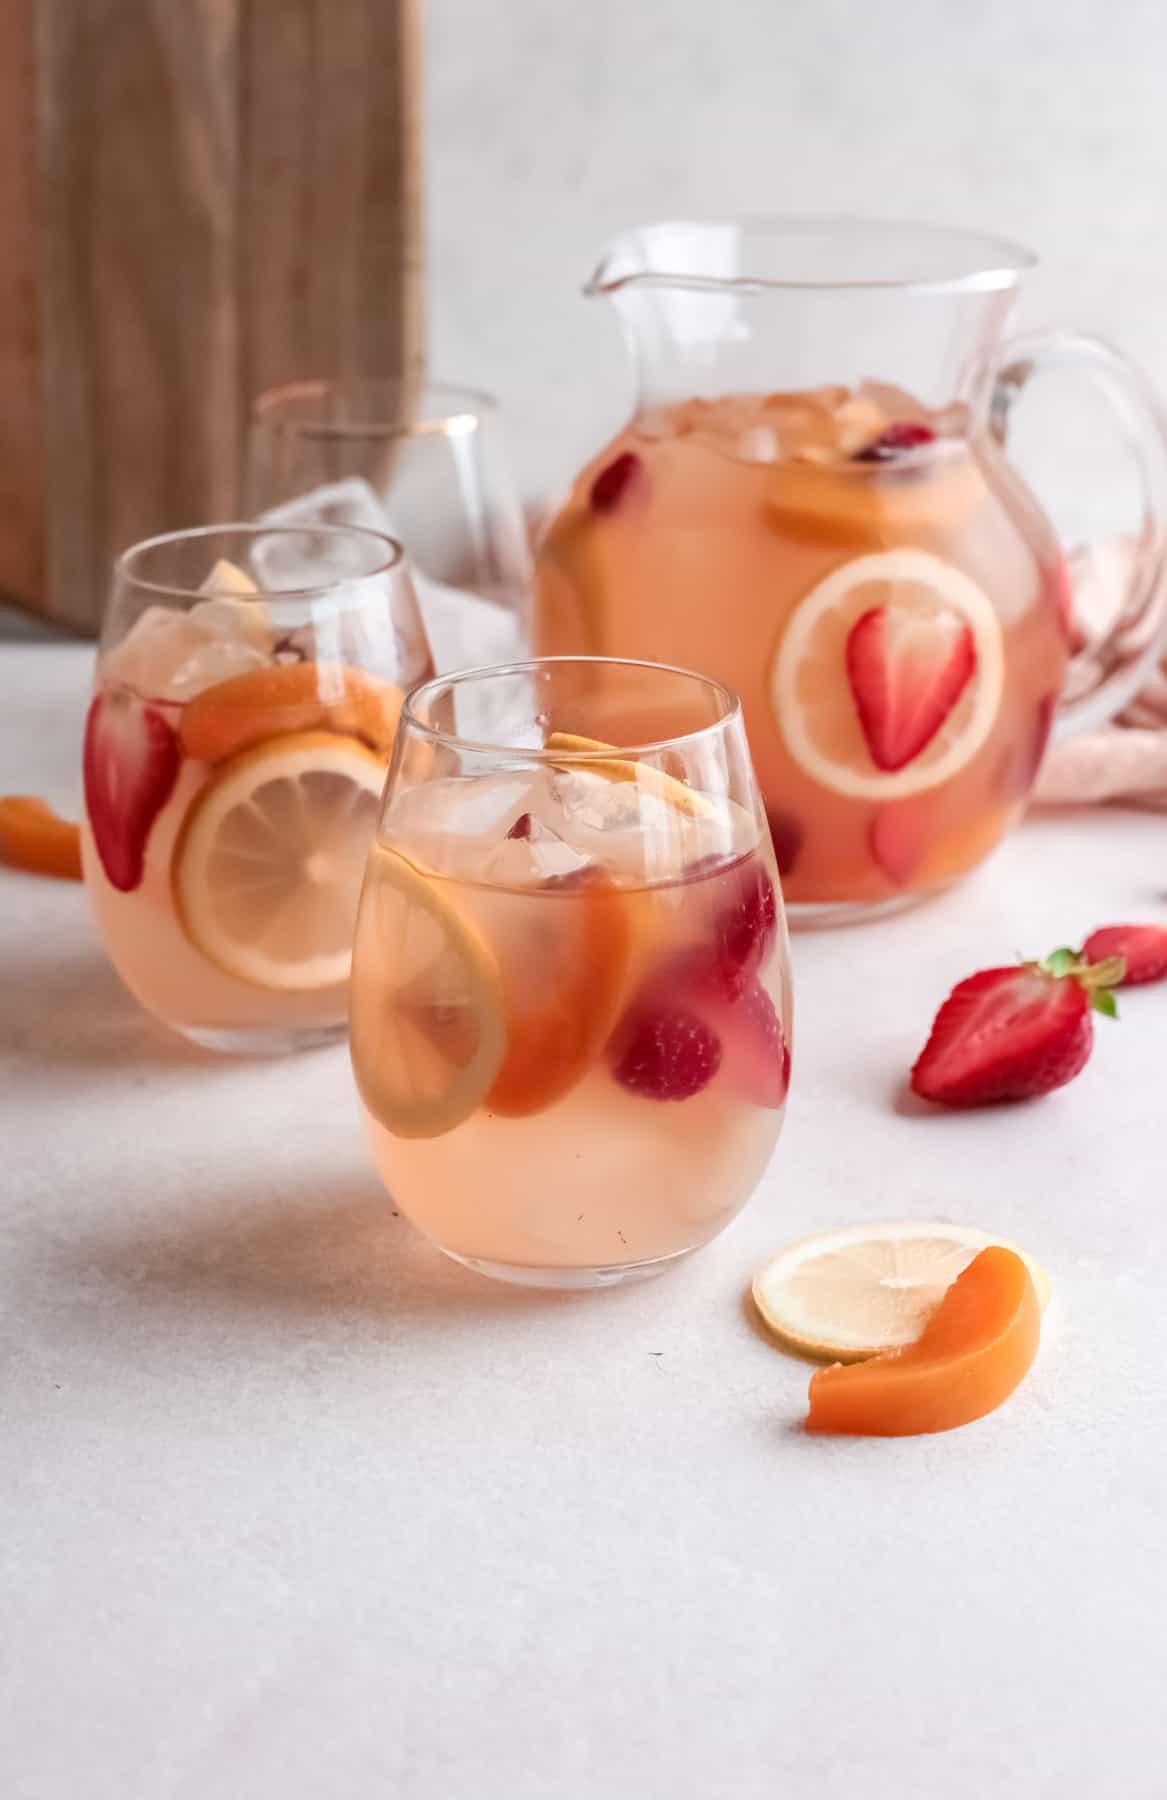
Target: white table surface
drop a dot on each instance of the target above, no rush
(290, 1506)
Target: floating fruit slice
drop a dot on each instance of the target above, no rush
(564, 993)
(268, 864)
(130, 764)
(864, 505)
(907, 670)
(848, 1294)
(285, 698)
(916, 595)
(34, 837)
(658, 782)
(428, 1026)
(975, 1349)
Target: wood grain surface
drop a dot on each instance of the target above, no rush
(210, 196)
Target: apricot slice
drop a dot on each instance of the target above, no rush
(288, 698)
(563, 995)
(34, 837)
(973, 1352)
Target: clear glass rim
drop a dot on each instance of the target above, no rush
(729, 703)
(247, 528)
(992, 263)
(444, 409)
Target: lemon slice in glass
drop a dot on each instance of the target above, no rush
(267, 867)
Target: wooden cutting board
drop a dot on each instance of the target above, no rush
(199, 198)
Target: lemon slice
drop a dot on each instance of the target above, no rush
(427, 1019)
(811, 696)
(658, 782)
(847, 1294)
(268, 864)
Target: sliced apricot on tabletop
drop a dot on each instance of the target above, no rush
(34, 837)
(974, 1350)
(564, 992)
(285, 698)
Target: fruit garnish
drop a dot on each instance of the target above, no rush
(657, 782)
(894, 440)
(888, 677)
(907, 671)
(268, 864)
(665, 1051)
(973, 1352)
(428, 1025)
(614, 484)
(130, 764)
(898, 838)
(786, 836)
(755, 1054)
(521, 827)
(286, 698)
(1142, 949)
(562, 998)
(847, 1294)
(34, 837)
(698, 984)
(744, 926)
(1016, 1033)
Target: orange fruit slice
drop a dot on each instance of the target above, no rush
(809, 690)
(34, 837)
(268, 863)
(427, 1019)
(847, 1294)
(663, 786)
(974, 1350)
(846, 505)
(285, 698)
(563, 995)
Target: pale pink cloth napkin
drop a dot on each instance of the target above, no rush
(1125, 761)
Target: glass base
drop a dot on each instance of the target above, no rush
(571, 1280)
(273, 1042)
(822, 915)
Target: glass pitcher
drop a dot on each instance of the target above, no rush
(812, 504)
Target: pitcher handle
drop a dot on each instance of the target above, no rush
(1137, 638)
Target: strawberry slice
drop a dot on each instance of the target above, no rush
(1015, 1033)
(130, 762)
(907, 670)
(1143, 949)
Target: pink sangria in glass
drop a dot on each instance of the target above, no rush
(570, 1006)
(248, 686)
(812, 503)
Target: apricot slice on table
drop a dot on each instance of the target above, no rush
(34, 837)
(973, 1352)
(286, 698)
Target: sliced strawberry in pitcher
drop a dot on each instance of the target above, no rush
(907, 671)
(131, 760)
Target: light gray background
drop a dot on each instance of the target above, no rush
(552, 125)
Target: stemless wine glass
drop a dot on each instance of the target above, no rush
(570, 1002)
(248, 686)
(426, 463)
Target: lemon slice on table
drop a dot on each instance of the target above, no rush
(847, 1294)
(811, 697)
(658, 782)
(427, 1018)
(268, 864)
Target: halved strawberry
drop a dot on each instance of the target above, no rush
(907, 670)
(131, 760)
(1143, 949)
(1015, 1033)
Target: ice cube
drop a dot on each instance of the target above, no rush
(211, 661)
(533, 855)
(234, 621)
(228, 578)
(158, 642)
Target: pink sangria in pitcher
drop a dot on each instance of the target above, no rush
(812, 504)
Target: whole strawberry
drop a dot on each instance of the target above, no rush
(1016, 1033)
(1143, 949)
